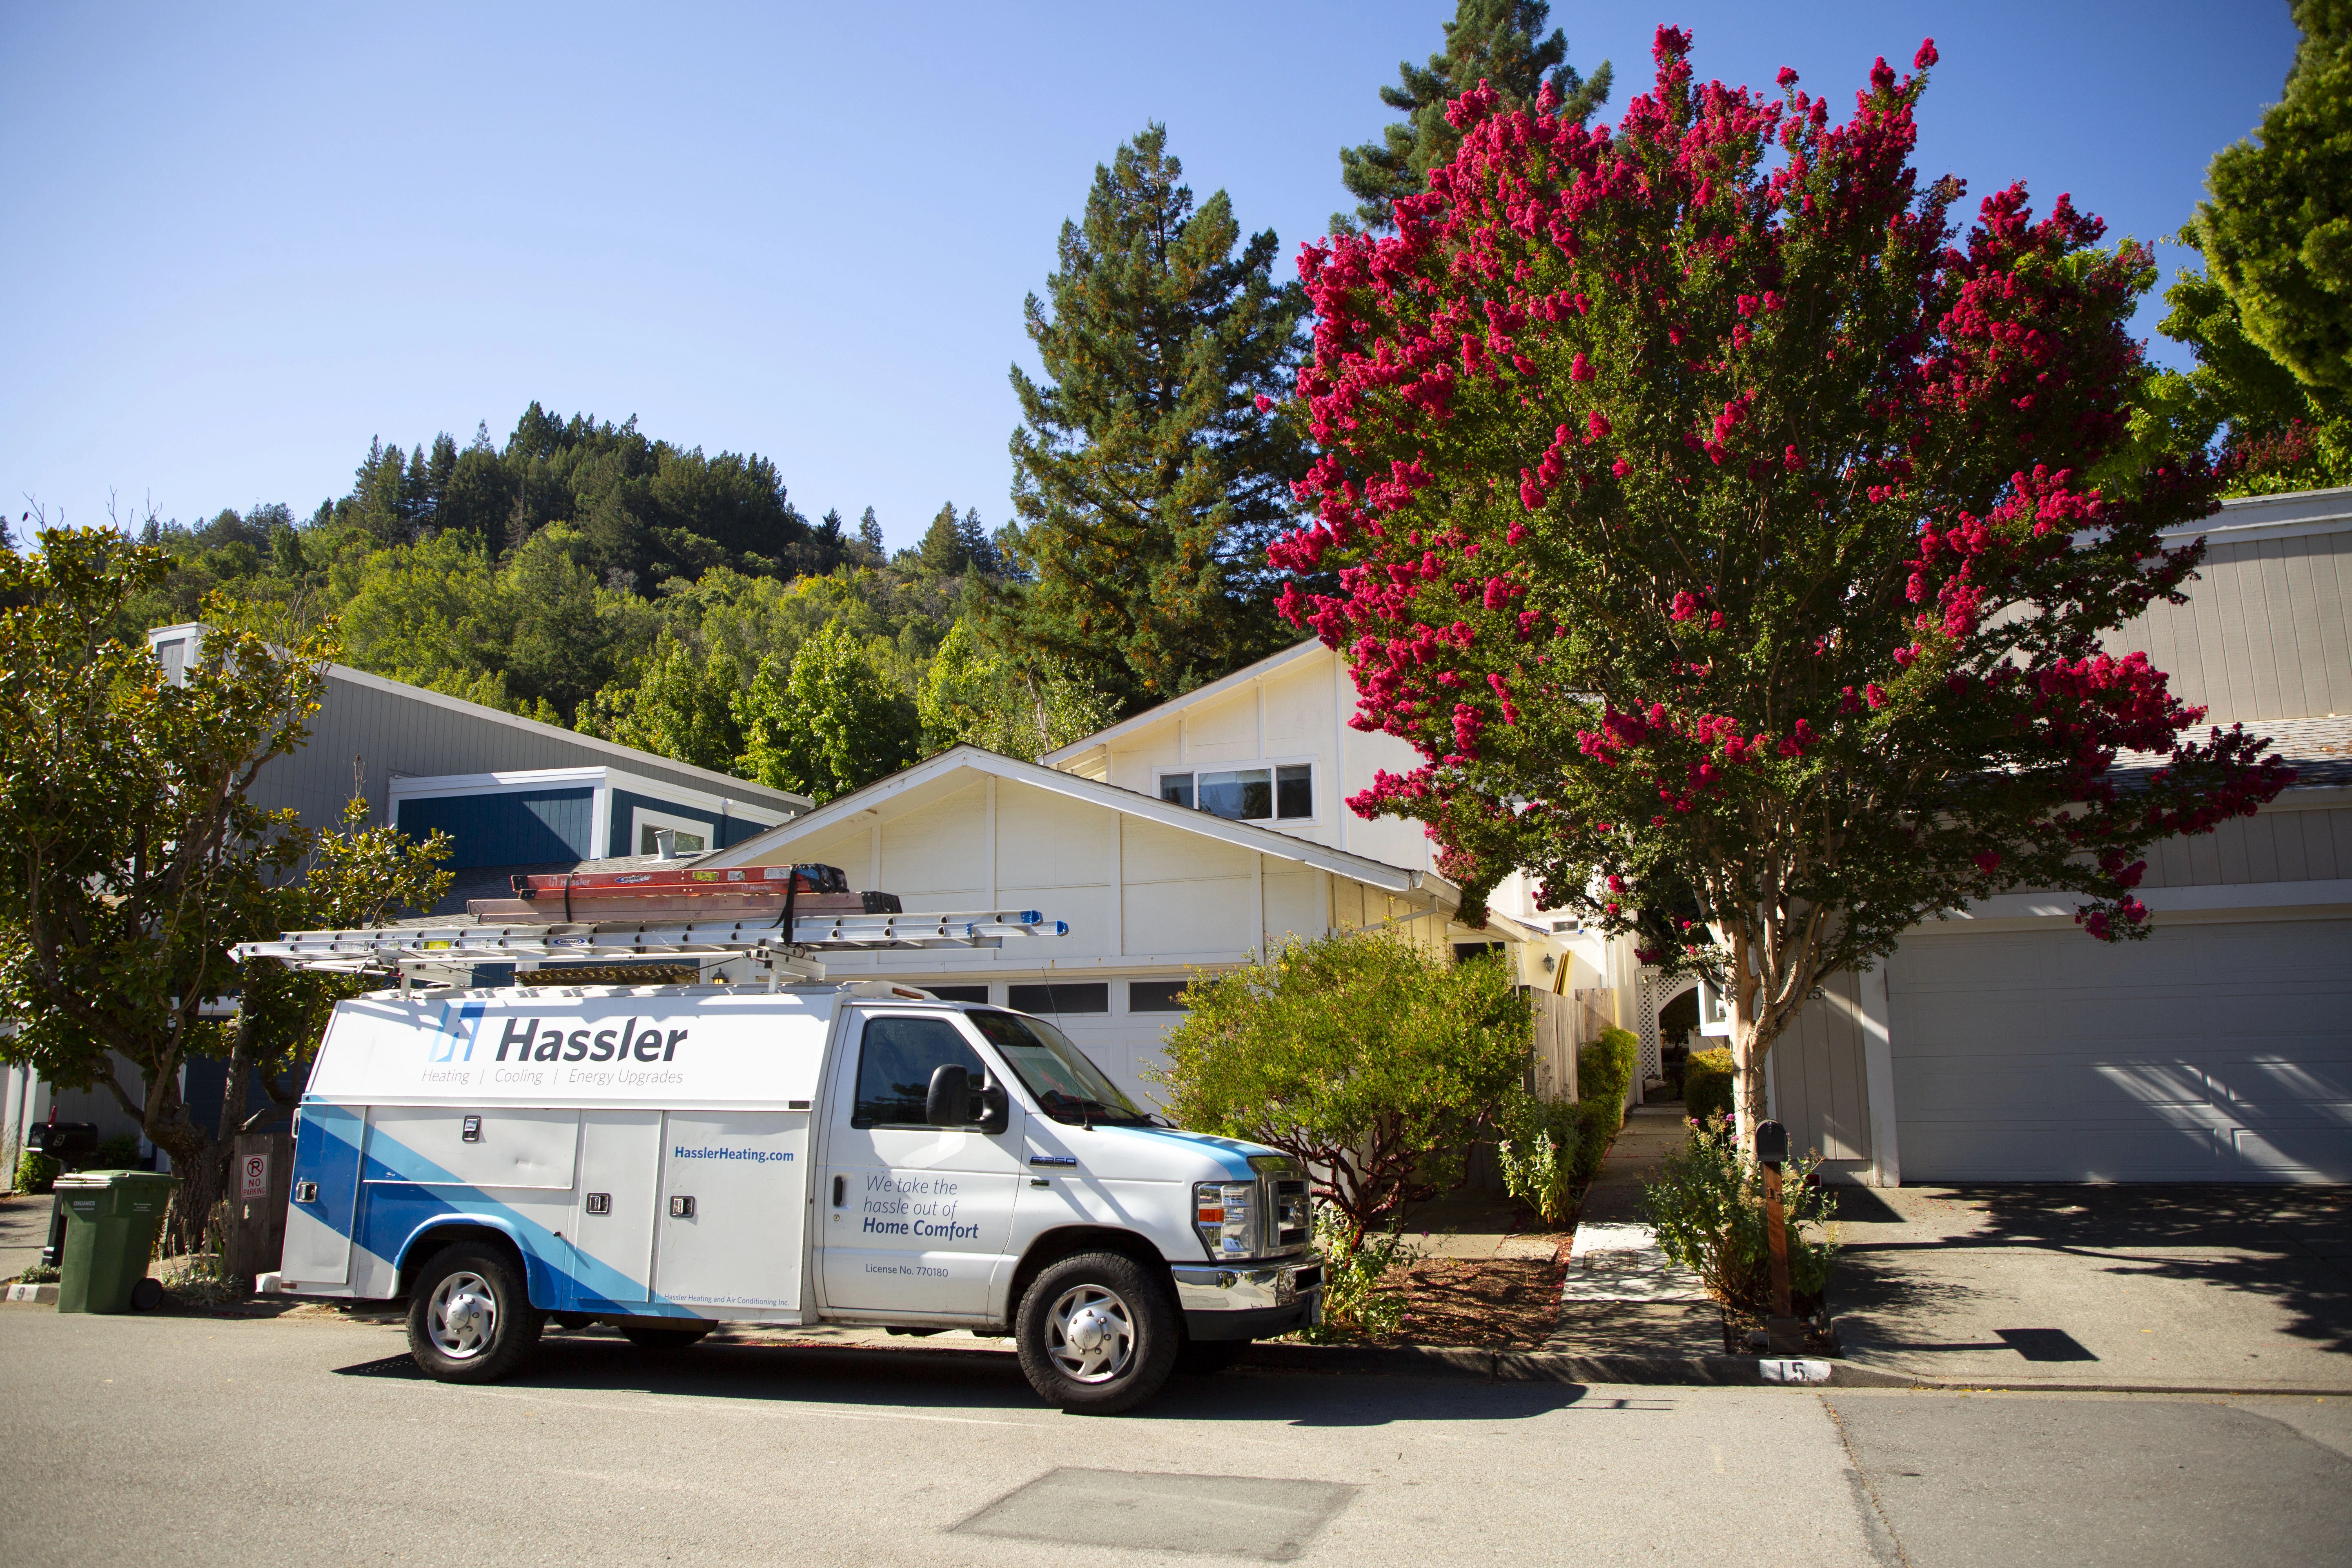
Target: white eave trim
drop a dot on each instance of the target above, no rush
(1441, 892)
(2250, 519)
(1175, 705)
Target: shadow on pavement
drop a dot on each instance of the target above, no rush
(973, 1383)
(2290, 1246)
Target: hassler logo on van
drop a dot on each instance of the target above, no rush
(663, 1159)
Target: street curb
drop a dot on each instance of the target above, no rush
(33, 1295)
(1548, 1366)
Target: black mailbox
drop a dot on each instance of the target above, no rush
(64, 1141)
(1771, 1144)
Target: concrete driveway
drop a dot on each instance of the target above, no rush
(2129, 1287)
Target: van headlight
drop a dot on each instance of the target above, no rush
(1226, 1214)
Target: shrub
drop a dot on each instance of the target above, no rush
(1542, 1140)
(1373, 1062)
(36, 1171)
(1707, 1206)
(1357, 1296)
(119, 1152)
(1707, 1081)
(1604, 1070)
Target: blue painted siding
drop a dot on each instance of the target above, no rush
(514, 827)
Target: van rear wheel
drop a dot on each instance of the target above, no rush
(1098, 1335)
(470, 1318)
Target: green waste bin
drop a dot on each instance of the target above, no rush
(110, 1221)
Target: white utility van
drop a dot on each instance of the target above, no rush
(663, 1159)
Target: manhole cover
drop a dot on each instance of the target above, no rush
(1235, 1515)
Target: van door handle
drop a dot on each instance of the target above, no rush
(840, 1191)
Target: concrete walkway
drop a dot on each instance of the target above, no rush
(1622, 1296)
(24, 1231)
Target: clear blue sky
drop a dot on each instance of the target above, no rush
(243, 239)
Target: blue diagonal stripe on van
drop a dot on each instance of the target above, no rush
(392, 1216)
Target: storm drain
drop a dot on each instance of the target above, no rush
(1232, 1516)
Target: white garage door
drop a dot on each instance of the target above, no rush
(2207, 1052)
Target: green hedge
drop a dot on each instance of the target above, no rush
(1706, 1084)
(119, 1152)
(1604, 1068)
(35, 1173)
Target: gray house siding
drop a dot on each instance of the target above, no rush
(2265, 633)
(368, 729)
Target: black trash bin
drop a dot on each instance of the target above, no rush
(69, 1143)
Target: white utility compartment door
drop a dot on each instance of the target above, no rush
(620, 1182)
(733, 1197)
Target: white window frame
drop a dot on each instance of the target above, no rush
(640, 819)
(1314, 765)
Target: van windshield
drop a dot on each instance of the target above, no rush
(1068, 1087)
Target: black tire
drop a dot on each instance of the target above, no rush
(147, 1295)
(1098, 1335)
(653, 1338)
(1199, 1358)
(455, 1291)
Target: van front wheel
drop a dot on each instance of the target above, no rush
(470, 1319)
(1098, 1335)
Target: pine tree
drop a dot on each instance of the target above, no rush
(869, 534)
(980, 551)
(1493, 41)
(1150, 470)
(941, 552)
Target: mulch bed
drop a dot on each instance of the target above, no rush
(1494, 1303)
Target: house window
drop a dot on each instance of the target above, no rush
(1155, 995)
(1283, 793)
(1058, 998)
(682, 843)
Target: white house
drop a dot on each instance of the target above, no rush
(1150, 890)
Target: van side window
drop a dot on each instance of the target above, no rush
(894, 1069)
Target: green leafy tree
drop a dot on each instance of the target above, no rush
(1150, 470)
(2278, 230)
(1494, 41)
(970, 695)
(1374, 1062)
(134, 856)
(2270, 319)
(943, 552)
(827, 724)
(681, 703)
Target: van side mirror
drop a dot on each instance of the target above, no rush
(995, 1106)
(949, 1103)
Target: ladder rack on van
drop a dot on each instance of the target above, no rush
(444, 948)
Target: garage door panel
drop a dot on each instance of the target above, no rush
(2305, 1086)
(2062, 1152)
(2310, 1153)
(2215, 1052)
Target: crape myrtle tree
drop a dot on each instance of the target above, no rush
(1706, 512)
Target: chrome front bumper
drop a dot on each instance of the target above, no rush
(1250, 1287)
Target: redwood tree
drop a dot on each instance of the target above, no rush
(1708, 514)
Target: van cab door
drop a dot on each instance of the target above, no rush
(915, 1218)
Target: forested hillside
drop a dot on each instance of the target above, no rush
(588, 574)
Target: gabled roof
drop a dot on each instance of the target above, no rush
(933, 771)
(1175, 705)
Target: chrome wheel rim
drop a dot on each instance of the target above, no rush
(464, 1316)
(1090, 1334)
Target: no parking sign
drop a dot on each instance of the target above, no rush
(254, 1178)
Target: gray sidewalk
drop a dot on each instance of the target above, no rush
(1621, 1297)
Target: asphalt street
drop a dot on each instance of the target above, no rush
(193, 1440)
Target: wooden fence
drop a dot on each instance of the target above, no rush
(1563, 1023)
